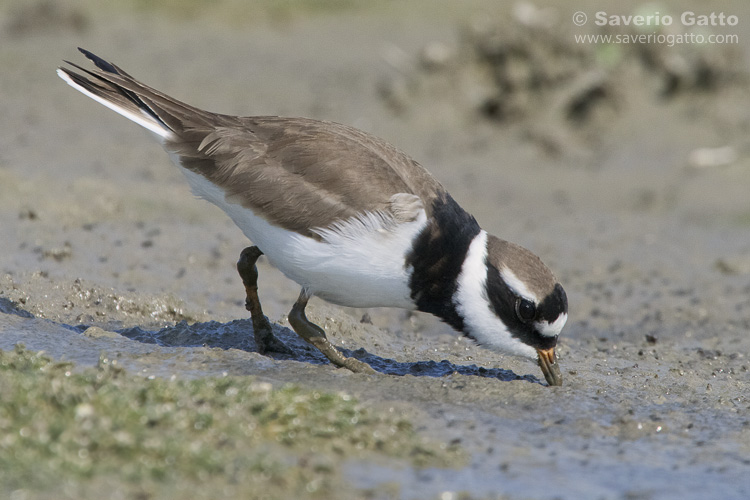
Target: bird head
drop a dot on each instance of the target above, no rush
(511, 302)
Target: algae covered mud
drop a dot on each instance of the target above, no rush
(158, 437)
(625, 168)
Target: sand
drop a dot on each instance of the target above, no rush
(104, 249)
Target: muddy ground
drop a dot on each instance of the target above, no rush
(627, 169)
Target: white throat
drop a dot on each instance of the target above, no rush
(473, 305)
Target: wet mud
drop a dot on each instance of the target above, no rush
(104, 250)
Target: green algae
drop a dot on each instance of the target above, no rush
(67, 433)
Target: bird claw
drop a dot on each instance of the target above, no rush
(267, 342)
(357, 366)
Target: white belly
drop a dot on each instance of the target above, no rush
(362, 266)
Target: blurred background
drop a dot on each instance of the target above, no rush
(554, 142)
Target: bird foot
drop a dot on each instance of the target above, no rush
(265, 341)
(316, 336)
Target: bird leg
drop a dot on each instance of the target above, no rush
(316, 336)
(264, 339)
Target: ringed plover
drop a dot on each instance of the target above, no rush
(350, 218)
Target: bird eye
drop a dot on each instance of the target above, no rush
(525, 310)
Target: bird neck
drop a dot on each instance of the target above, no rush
(437, 258)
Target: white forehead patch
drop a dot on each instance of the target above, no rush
(547, 329)
(517, 286)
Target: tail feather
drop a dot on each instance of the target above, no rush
(110, 97)
(101, 63)
(114, 88)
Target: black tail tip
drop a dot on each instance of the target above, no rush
(99, 62)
